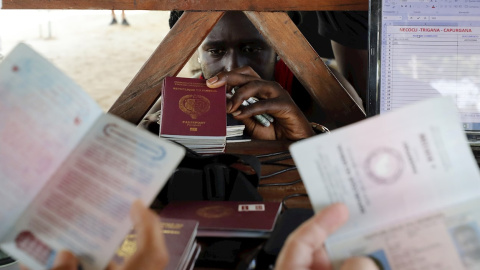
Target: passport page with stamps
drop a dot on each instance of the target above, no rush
(410, 165)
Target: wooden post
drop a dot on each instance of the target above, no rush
(167, 60)
(290, 44)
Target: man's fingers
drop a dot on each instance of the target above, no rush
(151, 249)
(359, 263)
(147, 227)
(305, 244)
(329, 220)
(315, 231)
(112, 266)
(236, 77)
(143, 220)
(265, 90)
(273, 106)
(65, 260)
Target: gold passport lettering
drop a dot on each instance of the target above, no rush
(189, 84)
(173, 226)
(128, 247)
(216, 211)
(193, 125)
(171, 232)
(194, 105)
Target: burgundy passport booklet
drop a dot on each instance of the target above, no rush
(227, 218)
(193, 114)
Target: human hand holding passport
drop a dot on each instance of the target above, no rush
(409, 180)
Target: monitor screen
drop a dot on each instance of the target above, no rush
(425, 48)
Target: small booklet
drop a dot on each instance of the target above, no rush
(69, 173)
(194, 115)
(236, 131)
(227, 218)
(410, 182)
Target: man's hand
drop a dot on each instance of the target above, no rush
(304, 248)
(151, 250)
(290, 123)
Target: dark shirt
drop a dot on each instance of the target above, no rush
(349, 28)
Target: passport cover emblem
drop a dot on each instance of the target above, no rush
(194, 105)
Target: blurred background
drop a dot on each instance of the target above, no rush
(100, 57)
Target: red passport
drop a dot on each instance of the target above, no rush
(190, 108)
(227, 218)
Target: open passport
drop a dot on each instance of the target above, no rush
(69, 172)
(411, 185)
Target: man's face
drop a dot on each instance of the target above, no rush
(234, 42)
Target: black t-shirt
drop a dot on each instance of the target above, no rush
(349, 28)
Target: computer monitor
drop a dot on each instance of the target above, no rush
(425, 48)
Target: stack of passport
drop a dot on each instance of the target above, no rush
(236, 131)
(194, 115)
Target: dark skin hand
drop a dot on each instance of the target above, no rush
(290, 123)
(238, 55)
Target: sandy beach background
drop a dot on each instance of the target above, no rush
(100, 57)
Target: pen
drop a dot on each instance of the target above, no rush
(261, 118)
(252, 100)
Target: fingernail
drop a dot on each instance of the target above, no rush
(229, 106)
(235, 113)
(212, 80)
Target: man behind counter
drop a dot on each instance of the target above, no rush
(235, 53)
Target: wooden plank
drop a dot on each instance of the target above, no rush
(192, 5)
(290, 44)
(167, 60)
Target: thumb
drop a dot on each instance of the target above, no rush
(65, 260)
(359, 263)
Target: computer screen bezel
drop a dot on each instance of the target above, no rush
(374, 61)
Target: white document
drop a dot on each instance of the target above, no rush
(69, 173)
(390, 169)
